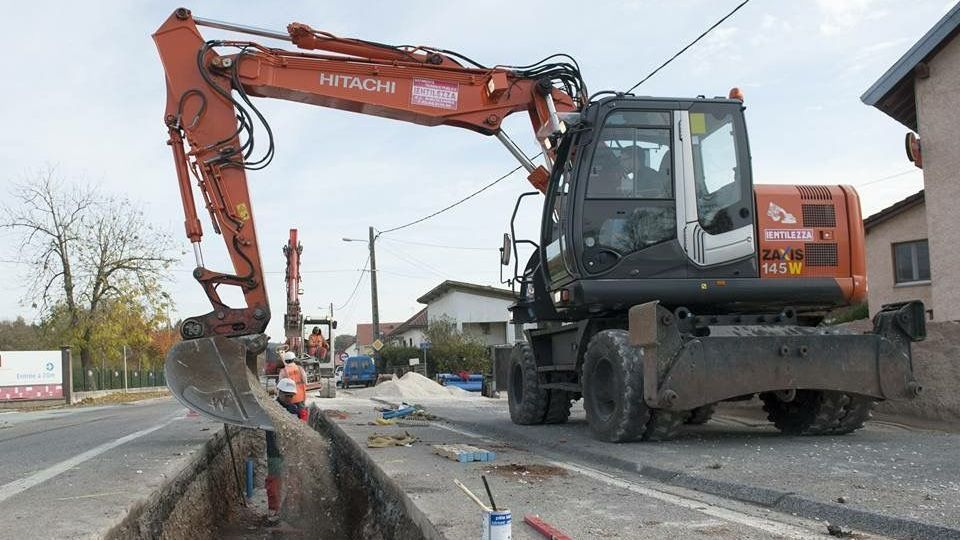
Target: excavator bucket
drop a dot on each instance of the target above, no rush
(210, 376)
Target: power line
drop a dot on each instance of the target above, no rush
(357, 286)
(885, 178)
(416, 264)
(461, 201)
(691, 44)
(417, 243)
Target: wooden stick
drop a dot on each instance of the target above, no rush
(471, 495)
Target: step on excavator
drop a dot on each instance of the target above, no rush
(663, 281)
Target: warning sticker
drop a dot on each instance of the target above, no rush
(788, 235)
(438, 94)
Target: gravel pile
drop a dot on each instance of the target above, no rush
(413, 386)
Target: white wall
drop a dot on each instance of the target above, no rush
(412, 337)
(464, 307)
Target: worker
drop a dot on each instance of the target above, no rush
(317, 345)
(286, 391)
(291, 370)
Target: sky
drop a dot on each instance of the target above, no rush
(83, 92)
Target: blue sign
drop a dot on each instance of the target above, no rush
(424, 345)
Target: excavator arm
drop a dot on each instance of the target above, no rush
(211, 123)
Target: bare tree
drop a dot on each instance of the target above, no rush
(84, 250)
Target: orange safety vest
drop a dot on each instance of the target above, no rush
(316, 340)
(292, 371)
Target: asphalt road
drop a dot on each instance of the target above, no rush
(892, 479)
(74, 472)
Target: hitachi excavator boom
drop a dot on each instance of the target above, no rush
(210, 121)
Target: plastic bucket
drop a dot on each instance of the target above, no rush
(497, 525)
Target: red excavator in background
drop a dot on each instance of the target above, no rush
(318, 364)
(663, 281)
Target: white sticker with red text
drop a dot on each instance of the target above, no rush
(438, 94)
(788, 235)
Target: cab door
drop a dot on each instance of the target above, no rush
(715, 209)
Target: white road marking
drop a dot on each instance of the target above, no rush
(766, 525)
(23, 484)
(731, 516)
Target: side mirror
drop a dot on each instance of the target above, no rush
(506, 249)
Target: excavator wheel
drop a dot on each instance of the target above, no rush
(818, 412)
(701, 415)
(613, 388)
(529, 404)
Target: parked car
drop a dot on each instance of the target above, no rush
(359, 370)
(338, 375)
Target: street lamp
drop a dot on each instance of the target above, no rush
(373, 284)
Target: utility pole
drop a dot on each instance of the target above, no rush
(373, 290)
(374, 301)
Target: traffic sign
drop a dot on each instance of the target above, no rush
(424, 345)
(344, 356)
(377, 345)
(414, 361)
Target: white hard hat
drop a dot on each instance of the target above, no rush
(289, 357)
(287, 385)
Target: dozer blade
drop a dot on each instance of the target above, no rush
(210, 376)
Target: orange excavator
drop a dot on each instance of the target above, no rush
(663, 280)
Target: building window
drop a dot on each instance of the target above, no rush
(911, 262)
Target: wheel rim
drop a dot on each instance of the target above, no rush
(602, 389)
(516, 383)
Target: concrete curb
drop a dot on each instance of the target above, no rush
(775, 499)
(392, 503)
(80, 396)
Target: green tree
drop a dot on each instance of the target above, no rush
(452, 351)
(92, 258)
(18, 335)
(343, 341)
(396, 356)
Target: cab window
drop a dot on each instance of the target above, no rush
(630, 190)
(717, 174)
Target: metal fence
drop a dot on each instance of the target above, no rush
(112, 378)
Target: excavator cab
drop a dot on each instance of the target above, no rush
(647, 197)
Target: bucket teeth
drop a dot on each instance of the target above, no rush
(210, 376)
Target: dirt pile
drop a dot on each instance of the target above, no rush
(413, 386)
(310, 495)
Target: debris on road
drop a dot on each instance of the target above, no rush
(544, 528)
(121, 397)
(527, 472)
(380, 440)
(464, 453)
(842, 500)
(838, 531)
(388, 414)
(335, 413)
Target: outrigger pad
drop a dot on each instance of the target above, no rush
(209, 376)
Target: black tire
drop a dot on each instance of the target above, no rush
(558, 407)
(701, 415)
(528, 402)
(612, 386)
(816, 412)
